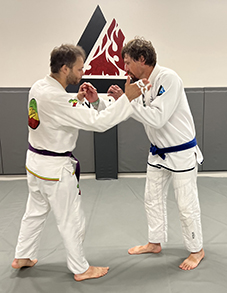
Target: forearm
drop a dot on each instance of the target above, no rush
(100, 104)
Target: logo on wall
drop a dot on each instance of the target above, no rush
(103, 58)
(102, 43)
(107, 60)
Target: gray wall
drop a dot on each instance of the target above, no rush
(215, 129)
(208, 106)
(13, 129)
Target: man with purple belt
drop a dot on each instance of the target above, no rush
(55, 118)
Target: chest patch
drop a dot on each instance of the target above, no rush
(33, 117)
(74, 102)
(161, 91)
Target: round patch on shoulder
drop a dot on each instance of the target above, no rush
(33, 117)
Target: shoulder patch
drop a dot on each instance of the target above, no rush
(74, 102)
(161, 91)
(33, 117)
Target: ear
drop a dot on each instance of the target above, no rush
(142, 59)
(64, 69)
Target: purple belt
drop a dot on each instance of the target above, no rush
(53, 154)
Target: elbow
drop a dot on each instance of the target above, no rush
(158, 124)
(101, 128)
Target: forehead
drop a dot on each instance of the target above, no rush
(127, 58)
(79, 62)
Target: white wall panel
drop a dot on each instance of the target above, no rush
(188, 35)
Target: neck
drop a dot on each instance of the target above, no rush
(59, 78)
(148, 71)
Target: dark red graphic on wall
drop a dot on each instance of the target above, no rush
(107, 60)
(102, 44)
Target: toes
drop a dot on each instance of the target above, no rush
(184, 266)
(34, 261)
(92, 273)
(105, 271)
(131, 250)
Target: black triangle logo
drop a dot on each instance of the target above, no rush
(87, 42)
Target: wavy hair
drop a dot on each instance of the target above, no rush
(140, 47)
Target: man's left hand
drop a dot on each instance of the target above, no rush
(88, 91)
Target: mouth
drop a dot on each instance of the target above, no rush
(132, 76)
(134, 79)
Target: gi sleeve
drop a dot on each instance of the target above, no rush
(102, 105)
(82, 117)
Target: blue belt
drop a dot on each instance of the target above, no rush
(53, 154)
(161, 152)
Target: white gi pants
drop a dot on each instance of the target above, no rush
(186, 194)
(63, 198)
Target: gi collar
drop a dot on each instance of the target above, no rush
(154, 73)
(54, 82)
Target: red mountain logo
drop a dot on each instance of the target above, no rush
(102, 42)
(107, 60)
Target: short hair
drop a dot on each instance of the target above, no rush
(140, 47)
(66, 54)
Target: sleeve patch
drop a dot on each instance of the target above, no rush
(33, 117)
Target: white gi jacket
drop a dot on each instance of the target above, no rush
(55, 118)
(167, 119)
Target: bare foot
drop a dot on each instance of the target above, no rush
(92, 273)
(192, 261)
(23, 262)
(148, 248)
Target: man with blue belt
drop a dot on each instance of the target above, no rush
(168, 122)
(54, 120)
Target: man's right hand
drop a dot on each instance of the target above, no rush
(133, 91)
(115, 91)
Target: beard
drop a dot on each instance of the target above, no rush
(72, 79)
(133, 77)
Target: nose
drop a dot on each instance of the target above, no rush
(126, 68)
